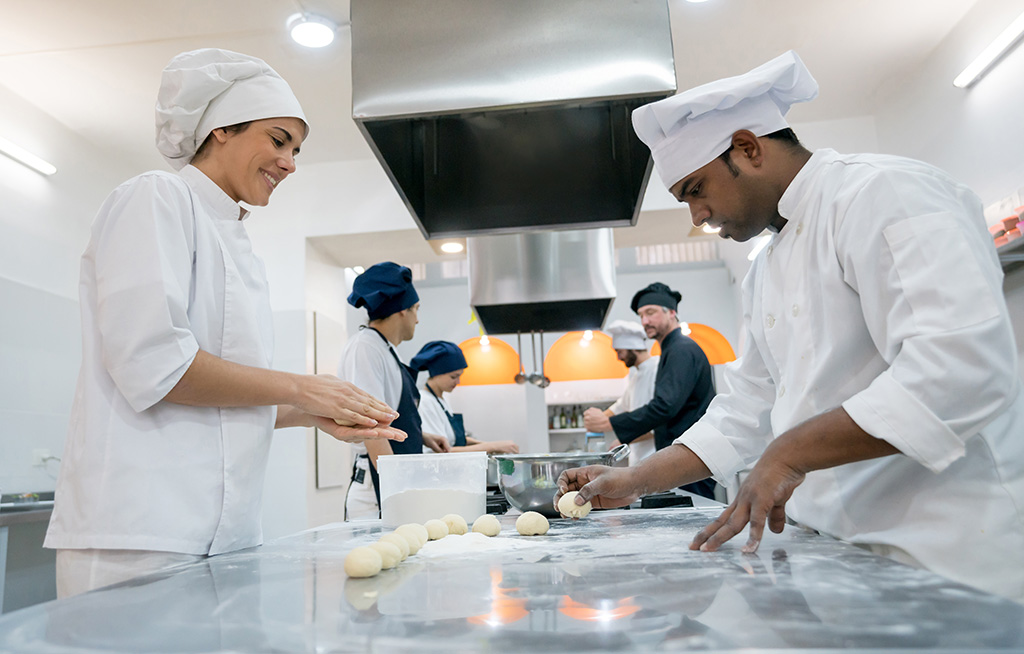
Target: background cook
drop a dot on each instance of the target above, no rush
(445, 363)
(371, 362)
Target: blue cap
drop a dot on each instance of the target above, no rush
(384, 289)
(439, 357)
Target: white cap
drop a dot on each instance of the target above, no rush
(210, 88)
(627, 335)
(687, 131)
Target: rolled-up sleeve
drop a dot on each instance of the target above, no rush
(141, 255)
(933, 304)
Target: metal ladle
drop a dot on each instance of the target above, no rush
(544, 381)
(535, 377)
(521, 375)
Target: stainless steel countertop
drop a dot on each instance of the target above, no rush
(38, 512)
(615, 581)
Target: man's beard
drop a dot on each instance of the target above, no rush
(629, 359)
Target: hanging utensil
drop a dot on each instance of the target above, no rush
(521, 375)
(544, 381)
(535, 377)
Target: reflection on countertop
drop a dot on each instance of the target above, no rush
(616, 581)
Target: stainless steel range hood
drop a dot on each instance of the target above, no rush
(504, 116)
(549, 281)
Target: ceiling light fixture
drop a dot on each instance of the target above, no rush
(452, 247)
(311, 30)
(708, 229)
(26, 158)
(990, 55)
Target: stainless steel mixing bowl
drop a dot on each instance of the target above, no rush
(529, 481)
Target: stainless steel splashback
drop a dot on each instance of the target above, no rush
(548, 281)
(498, 116)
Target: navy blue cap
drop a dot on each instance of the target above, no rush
(439, 357)
(385, 288)
(658, 294)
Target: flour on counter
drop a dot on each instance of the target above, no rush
(471, 543)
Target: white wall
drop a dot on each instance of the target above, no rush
(974, 134)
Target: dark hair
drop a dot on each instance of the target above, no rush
(787, 136)
(237, 128)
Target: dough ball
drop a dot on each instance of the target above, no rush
(363, 562)
(456, 524)
(532, 523)
(390, 555)
(401, 543)
(436, 529)
(411, 532)
(411, 537)
(487, 525)
(422, 531)
(567, 506)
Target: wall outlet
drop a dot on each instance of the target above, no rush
(39, 458)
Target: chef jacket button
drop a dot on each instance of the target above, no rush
(769, 249)
(796, 310)
(782, 391)
(799, 228)
(770, 321)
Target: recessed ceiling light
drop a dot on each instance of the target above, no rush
(708, 229)
(696, 1)
(452, 247)
(311, 30)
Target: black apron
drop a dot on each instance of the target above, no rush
(454, 419)
(408, 417)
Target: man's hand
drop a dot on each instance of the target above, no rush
(437, 443)
(762, 497)
(602, 486)
(595, 420)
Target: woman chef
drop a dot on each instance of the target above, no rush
(175, 404)
(445, 363)
(370, 362)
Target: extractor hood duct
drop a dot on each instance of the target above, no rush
(504, 116)
(549, 281)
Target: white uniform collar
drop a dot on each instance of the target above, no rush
(797, 189)
(221, 205)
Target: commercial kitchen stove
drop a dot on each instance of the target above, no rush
(615, 581)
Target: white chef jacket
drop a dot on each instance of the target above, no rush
(169, 269)
(367, 363)
(883, 294)
(639, 391)
(435, 420)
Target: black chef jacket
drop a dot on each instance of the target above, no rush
(683, 389)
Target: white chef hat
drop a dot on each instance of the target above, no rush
(209, 88)
(687, 131)
(627, 335)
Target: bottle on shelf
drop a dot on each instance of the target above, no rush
(562, 421)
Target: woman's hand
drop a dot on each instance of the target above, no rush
(437, 443)
(345, 403)
(290, 416)
(502, 447)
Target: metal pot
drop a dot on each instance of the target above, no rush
(529, 481)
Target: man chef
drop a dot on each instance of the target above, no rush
(683, 385)
(370, 362)
(633, 349)
(879, 392)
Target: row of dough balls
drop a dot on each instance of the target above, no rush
(395, 547)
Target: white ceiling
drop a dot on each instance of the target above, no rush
(94, 65)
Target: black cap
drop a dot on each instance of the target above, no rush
(657, 293)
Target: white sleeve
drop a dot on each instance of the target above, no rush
(736, 428)
(366, 367)
(142, 252)
(931, 293)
